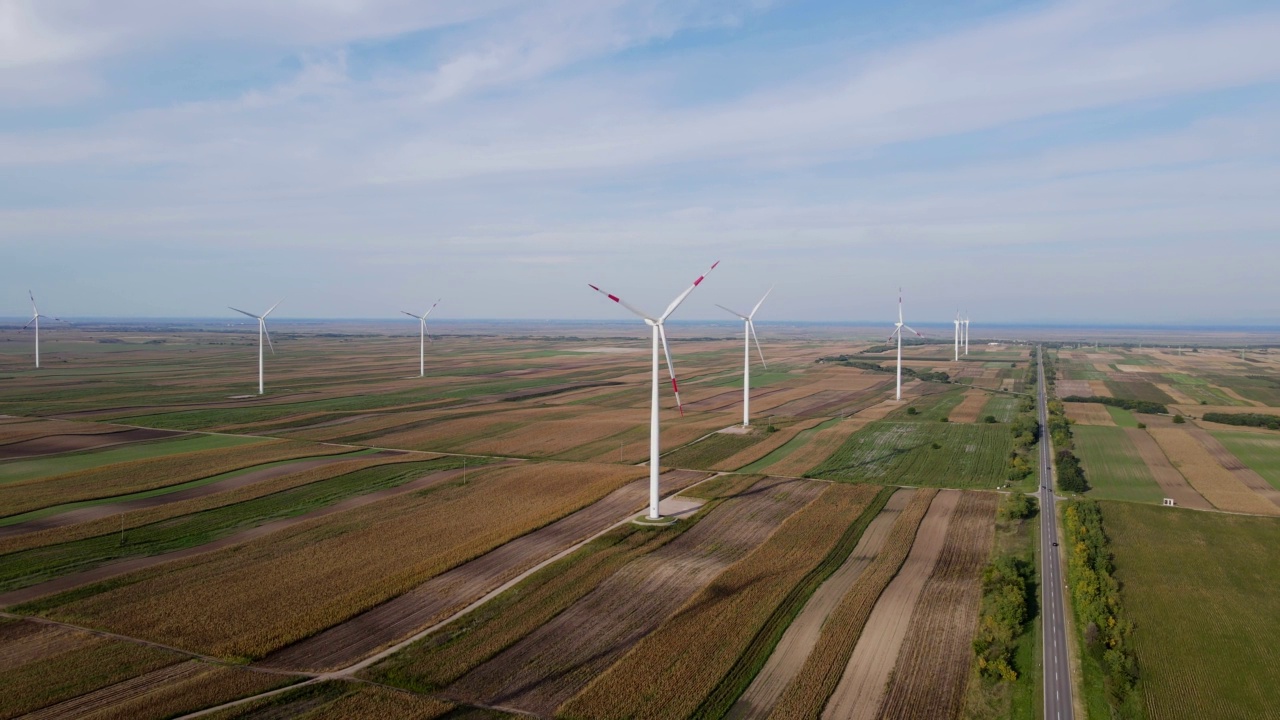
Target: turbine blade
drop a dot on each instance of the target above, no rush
(757, 339)
(273, 307)
(267, 332)
(733, 312)
(255, 317)
(34, 311)
(680, 298)
(757, 307)
(671, 369)
(425, 331)
(623, 303)
(912, 330)
(428, 312)
(415, 317)
(29, 322)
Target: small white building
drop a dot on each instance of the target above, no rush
(1168, 502)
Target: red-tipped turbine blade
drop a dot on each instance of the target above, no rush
(671, 369)
(680, 298)
(623, 303)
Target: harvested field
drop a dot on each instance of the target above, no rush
(671, 670)
(862, 685)
(1217, 484)
(143, 475)
(802, 634)
(1228, 460)
(1178, 396)
(1100, 388)
(341, 700)
(51, 444)
(933, 665)
(49, 668)
(1259, 451)
(807, 693)
(1089, 413)
(556, 661)
(431, 531)
(168, 692)
(454, 589)
(809, 448)
(1172, 483)
(970, 408)
(550, 437)
(1139, 390)
(20, 429)
(66, 463)
(1074, 388)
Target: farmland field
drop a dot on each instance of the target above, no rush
(1200, 589)
(359, 541)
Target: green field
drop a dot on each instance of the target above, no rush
(708, 451)
(1122, 417)
(1138, 391)
(1201, 589)
(17, 470)
(1003, 407)
(902, 453)
(1112, 465)
(788, 447)
(1261, 452)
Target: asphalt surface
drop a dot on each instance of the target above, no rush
(1057, 671)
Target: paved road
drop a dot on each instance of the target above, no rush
(1057, 672)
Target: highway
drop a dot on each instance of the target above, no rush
(1057, 671)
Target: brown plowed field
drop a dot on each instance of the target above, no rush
(171, 695)
(121, 692)
(52, 444)
(730, 398)
(94, 512)
(1217, 484)
(1232, 464)
(933, 665)
(1166, 475)
(1089, 413)
(1100, 388)
(862, 685)
(556, 661)
(445, 594)
(798, 641)
(17, 430)
(116, 569)
(1178, 396)
(969, 408)
(26, 642)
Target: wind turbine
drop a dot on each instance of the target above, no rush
(422, 338)
(897, 332)
(262, 332)
(35, 320)
(659, 334)
(957, 322)
(966, 332)
(748, 333)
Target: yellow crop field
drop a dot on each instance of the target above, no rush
(1089, 413)
(673, 668)
(360, 558)
(1217, 484)
(821, 672)
(764, 447)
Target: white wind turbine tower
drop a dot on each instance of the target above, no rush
(262, 332)
(748, 333)
(422, 337)
(897, 332)
(659, 334)
(957, 322)
(966, 332)
(35, 320)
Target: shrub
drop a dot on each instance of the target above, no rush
(912, 411)
(989, 419)
(1178, 419)
(1142, 426)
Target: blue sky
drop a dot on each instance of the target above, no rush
(1076, 161)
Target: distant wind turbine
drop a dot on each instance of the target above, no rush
(262, 332)
(422, 337)
(35, 320)
(957, 322)
(897, 332)
(966, 332)
(748, 333)
(659, 335)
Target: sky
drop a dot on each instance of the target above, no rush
(1047, 162)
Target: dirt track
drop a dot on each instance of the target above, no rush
(85, 514)
(53, 444)
(933, 666)
(862, 685)
(116, 569)
(450, 591)
(1166, 475)
(798, 641)
(546, 668)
